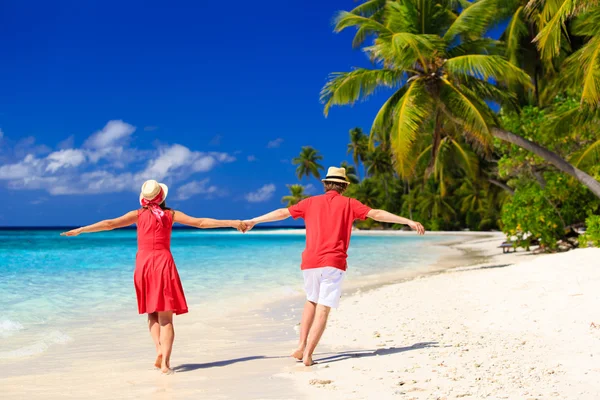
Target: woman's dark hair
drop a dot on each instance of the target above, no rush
(337, 186)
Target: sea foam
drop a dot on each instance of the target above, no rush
(38, 347)
(8, 327)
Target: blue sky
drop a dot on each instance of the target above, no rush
(213, 98)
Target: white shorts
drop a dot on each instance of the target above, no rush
(324, 285)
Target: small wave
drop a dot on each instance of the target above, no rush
(8, 327)
(52, 338)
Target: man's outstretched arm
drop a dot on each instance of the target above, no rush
(277, 215)
(384, 216)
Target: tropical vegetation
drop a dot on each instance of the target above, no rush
(476, 132)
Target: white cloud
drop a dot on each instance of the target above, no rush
(194, 188)
(262, 194)
(29, 166)
(116, 168)
(252, 158)
(113, 133)
(64, 158)
(273, 144)
(180, 159)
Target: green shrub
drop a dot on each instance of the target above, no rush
(592, 232)
(545, 213)
(528, 213)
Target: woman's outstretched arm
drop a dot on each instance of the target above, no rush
(107, 225)
(207, 223)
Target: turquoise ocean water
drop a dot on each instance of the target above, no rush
(48, 282)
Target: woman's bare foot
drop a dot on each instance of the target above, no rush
(158, 362)
(167, 371)
(298, 354)
(308, 361)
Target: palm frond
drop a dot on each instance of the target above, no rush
(345, 19)
(590, 64)
(513, 35)
(487, 67)
(584, 65)
(471, 115)
(409, 114)
(383, 120)
(368, 8)
(490, 92)
(408, 47)
(590, 155)
(401, 16)
(349, 87)
(477, 46)
(469, 162)
(554, 16)
(474, 20)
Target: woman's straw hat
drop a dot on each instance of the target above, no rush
(335, 174)
(151, 189)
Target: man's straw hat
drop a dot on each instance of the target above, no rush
(151, 189)
(335, 174)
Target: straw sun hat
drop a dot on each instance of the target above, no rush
(335, 174)
(151, 189)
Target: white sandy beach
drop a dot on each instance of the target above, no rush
(495, 331)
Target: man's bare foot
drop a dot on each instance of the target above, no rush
(298, 354)
(158, 362)
(308, 361)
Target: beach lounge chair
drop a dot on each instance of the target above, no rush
(506, 246)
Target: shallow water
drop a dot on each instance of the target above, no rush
(49, 282)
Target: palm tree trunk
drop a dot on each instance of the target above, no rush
(502, 185)
(435, 144)
(409, 200)
(549, 156)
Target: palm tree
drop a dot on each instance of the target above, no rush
(367, 193)
(452, 159)
(473, 196)
(379, 166)
(350, 172)
(433, 204)
(358, 146)
(296, 195)
(308, 163)
(443, 72)
(583, 66)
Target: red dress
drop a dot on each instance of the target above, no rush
(157, 282)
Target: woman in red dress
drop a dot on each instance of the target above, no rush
(157, 285)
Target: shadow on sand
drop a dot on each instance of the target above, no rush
(344, 355)
(214, 364)
(329, 357)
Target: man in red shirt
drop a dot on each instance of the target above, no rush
(328, 218)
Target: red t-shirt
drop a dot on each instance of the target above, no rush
(328, 220)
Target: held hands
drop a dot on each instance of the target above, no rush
(243, 226)
(239, 225)
(417, 227)
(249, 224)
(73, 232)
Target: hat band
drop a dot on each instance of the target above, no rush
(336, 177)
